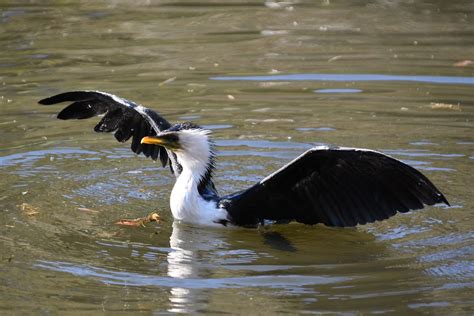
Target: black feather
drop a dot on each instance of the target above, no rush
(81, 110)
(125, 118)
(336, 187)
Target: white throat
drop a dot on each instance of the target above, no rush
(186, 203)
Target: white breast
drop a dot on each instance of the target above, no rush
(188, 206)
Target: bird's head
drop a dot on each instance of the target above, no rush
(188, 141)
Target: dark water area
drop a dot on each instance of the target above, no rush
(271, 80)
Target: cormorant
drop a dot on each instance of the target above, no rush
(335, 186)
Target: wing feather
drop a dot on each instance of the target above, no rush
(126, 118)
(336, 187)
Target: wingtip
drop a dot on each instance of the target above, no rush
(68, 96)
(44, 101)
(441, 199)
(445, 200)
(58, 98)
(61, 116)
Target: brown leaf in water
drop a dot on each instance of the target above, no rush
(130, 222)
(141, 221)
(29, 209)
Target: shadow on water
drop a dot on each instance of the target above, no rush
(278, 241)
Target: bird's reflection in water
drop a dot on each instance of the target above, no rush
(190, 245)
(204, 259)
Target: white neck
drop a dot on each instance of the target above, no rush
(186, 203)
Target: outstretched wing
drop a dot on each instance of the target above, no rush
(336, 187)
(127, 119)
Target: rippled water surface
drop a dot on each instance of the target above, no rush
(271, 79)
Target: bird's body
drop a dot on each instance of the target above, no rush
(333, 186)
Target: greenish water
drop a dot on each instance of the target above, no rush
(271, 79)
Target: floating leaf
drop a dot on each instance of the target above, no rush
(141, 221)
(29, 209)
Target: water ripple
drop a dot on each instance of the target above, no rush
(135, 279)
(338, 90)
(350, 78)
(261, 144)
(31, 156)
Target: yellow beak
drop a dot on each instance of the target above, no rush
(153, 140)
(168, 140)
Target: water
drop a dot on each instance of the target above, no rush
(353, 78)
(271, 79)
